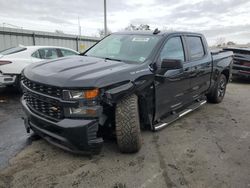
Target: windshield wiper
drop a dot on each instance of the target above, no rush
(82, 54)
(112, 59)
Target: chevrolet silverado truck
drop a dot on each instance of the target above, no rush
(127, 82)
(241, 64)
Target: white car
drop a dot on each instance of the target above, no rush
(14, 60)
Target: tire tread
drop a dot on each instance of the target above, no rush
(128, 125)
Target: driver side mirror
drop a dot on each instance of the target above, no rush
(171, 64)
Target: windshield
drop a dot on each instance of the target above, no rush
(12, 50)
(131, 48)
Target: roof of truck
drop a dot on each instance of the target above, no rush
(151, 32)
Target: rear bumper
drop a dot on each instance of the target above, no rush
(241, 71)
(7, 80)
(77, 136)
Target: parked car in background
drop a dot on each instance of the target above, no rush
(14, 60)
(241, 64)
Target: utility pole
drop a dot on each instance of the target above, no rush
(105, 19)
(79, 27)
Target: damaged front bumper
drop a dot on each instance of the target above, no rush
(74, 135)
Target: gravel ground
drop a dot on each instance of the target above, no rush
(12, 134)
(208, 148)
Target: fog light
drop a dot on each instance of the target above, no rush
(90, 112)
(78, 111)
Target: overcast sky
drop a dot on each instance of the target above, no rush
(227, 19)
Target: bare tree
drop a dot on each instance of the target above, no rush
(220, 41)
(144, 27)
(231, 43)
(132, 27)
(59, 31)
(101, 32)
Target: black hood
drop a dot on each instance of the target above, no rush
(81, 71)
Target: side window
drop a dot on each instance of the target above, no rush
(195, 47)
(48, 53)
(67, 52)
(36, 55)
(173, 49)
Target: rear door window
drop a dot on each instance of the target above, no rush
(48, 53)
(67, 52)
(195, 47)
(36, 55)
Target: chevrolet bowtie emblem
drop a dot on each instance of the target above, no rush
(55, 109)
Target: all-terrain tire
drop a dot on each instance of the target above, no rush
(219, 90)
(127, 119)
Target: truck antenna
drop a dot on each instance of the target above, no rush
(156, 31)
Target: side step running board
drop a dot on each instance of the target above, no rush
(170, 119)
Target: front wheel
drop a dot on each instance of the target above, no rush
(128, 131)
(218, 93)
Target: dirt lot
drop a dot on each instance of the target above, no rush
(208, 148)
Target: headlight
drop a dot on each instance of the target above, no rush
(88, 101)
(85, 94)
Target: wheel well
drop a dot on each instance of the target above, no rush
(145, 115)
(226, 73)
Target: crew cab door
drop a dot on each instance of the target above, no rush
(172, 87)
(200, 64)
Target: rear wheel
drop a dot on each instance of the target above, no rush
(128, 131)
(218, 93)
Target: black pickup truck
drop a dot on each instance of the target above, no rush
(127, 82)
